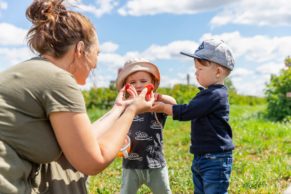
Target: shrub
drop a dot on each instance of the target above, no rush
(279, 104)
(182, 93)
(103, 98)
(237, 99)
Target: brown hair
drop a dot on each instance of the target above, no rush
(55, 28)
(204, 62)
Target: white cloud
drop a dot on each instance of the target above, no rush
(250, 12)
(167, 81)
(3, 5)
(169, 51)
(256, 49)
(250, 85)
(96, 80)
(12, 56)
(102, 6)
(270, 68)
(111, 60)
(109, 47)
(153, 7)
(241, 72)
(247, 12)
(12, 35)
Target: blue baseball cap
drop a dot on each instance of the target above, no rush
(216, 51)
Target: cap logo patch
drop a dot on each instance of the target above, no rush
(201, 46)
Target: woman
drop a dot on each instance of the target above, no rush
(42, 110)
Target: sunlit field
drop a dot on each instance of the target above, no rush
(262, 158)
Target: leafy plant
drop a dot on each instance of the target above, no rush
(103, 98)
(181, 92)
(287, 61)
(279, 104)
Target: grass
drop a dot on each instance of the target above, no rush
(262, 158)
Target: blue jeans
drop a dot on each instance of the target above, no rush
(211, 173)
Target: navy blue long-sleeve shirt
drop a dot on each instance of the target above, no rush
(209, 115)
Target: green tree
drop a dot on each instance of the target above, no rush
(287, 61)
(228, 83)
(181, 92)
(102, 98)
(279, 103)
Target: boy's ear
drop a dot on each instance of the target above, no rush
(219, 72)
(222, 71)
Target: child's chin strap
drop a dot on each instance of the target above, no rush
(156, 117)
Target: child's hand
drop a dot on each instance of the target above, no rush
(158, 97)
(157, 107)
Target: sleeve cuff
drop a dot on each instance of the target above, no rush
(176, 111)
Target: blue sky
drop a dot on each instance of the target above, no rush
(257, 31)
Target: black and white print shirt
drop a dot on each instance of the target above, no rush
(146, 142)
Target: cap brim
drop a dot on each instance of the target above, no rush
(187, 54)
(192, 55)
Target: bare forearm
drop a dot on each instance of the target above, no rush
(116, 134)
(168, 109)
(108, 144)
(167, 99)
(104, 123)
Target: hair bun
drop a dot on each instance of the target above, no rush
(41, 11)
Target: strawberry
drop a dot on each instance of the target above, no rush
(127, 86)
(150, 88)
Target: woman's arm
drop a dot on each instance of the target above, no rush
(107, 120)
(77, 139)
(104, 123)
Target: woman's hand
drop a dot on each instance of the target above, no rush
(125, 96)
(139, 102)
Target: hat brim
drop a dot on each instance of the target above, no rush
(187, 54)
(191, 55)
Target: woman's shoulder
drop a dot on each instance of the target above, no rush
(39, 75)
(41, 65)
(45, 70)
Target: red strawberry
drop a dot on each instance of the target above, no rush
(150, 88)
(127, 86)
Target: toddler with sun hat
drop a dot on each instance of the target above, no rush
(145, 163)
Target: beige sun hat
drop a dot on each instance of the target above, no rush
(134, 65)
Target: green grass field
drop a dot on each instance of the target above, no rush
(262, 158)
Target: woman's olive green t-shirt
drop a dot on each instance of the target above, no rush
(29, 92)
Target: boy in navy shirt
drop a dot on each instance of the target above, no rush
(208, 111)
